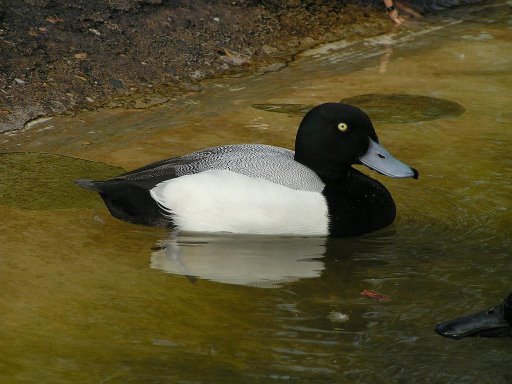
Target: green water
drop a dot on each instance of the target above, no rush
(85, 298)
(42, 180)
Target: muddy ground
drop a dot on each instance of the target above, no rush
(63, 55)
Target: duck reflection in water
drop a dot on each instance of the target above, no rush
(260, 261)
(242, 260)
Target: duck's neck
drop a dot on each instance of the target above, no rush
(329, 172)
(338, 176)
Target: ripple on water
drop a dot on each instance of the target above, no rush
(43, 181)
(395, 108)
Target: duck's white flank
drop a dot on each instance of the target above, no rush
(225, 201)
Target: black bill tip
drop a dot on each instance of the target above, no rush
(445, 329)
(416, 174)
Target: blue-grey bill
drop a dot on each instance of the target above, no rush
(380, 160)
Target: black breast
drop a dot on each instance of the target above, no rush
(358, 204)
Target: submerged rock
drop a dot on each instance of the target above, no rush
(395, 108)
(399, 108)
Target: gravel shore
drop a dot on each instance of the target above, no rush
(60, 55)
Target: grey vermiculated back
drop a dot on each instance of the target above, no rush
(267, 162)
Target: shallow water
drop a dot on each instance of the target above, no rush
(86, 298)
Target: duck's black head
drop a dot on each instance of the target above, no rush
(334, 136)
(493, 322)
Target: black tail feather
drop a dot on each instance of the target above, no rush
(89, 184)
(127, 202)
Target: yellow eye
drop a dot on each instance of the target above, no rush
(343, 127)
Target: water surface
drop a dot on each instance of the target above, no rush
(86, 298)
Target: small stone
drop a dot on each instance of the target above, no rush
(112, 26)
(95, 31)
(149, 101)
(171, 70)
(233, 58)
(98, 219)
(273, 67)
(308, 41)
(293, 42)
(19, 81)
(267, 49)
(54, 19)
(116, 83)
(36, 121)
(89, 99)
(191, 87)
(97, 17)
(114, 104)
(80, 56)
(216, 19)
(197, 75)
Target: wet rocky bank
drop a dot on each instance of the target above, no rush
(60, 55)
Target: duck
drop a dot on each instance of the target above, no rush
(267, 190)
(490, 323)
